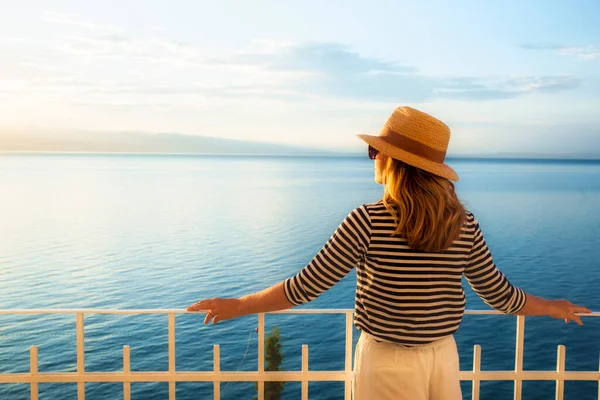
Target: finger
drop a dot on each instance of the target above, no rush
(208, 317)
(577, 319)
(580, 309)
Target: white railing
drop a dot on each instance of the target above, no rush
(261, 376)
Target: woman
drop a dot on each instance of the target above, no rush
(410, 250)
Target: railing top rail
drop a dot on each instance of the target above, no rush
(183, 311)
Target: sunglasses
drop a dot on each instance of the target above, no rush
(373, 152)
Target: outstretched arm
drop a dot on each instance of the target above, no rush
(335, 260)
(560, 309)
(490, 284)
(495, 289)
(270, 299)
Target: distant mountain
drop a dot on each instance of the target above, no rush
(128, 142)
(32, 140)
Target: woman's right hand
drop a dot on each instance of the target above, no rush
(565, 310)
(218, 309)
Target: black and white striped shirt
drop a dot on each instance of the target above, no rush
(404, 296)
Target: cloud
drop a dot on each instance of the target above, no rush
(75, 21)
(544, 83)
(125, 105)
(541, 46)
(334, 70)
(104, 63)
(319, 57)
(122, 48)
(478, 94)
(586, 53)
(482, 89)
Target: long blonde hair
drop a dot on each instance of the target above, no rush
(425, 207)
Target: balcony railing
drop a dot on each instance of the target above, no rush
(33, 378)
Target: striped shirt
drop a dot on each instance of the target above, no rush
(404, 296)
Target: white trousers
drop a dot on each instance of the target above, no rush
(386, 371)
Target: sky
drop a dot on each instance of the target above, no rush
(506, 76)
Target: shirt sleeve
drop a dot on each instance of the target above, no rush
(487, 280)
(339, 255)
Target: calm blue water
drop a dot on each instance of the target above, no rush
(139, 231)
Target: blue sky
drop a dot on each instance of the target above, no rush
(507, 76)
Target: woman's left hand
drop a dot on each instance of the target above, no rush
(218, 309)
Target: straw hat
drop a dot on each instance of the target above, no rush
(416, 138)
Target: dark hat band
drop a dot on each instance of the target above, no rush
(412, 146)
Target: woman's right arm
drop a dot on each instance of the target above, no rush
(222, 309)
(335, 260)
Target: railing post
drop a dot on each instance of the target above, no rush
(304, 372)
(171, 356)
(217, 371)
(261, 356)
(80, 356)
(560, 370)
(476, 371)
(519, 348)
(126, 373)
(33, 370)
(348, 361)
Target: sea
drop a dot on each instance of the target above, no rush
(140, 231)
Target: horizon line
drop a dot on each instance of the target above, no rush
(319, 153)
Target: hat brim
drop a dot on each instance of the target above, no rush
(443, 170)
